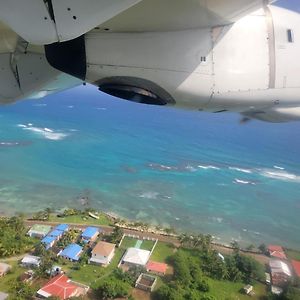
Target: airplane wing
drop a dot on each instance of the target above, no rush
(26, 26)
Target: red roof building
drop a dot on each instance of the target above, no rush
(276, 251)
(156, 267)
(61, 286)
(296, 267)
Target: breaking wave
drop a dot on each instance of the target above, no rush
(241, 181)
(240, 170)
(208, 167)
(280, 175)
(47, 133)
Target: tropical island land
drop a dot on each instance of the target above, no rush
(94, 255)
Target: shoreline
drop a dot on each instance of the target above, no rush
(136, 226)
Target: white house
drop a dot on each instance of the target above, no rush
(30, 261)
(103, 253)
(135, 256)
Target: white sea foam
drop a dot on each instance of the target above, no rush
(45, 132)
(190, 168)
(240, 170)
(21, 125)
(208, 167)
(149, 195)
(280, 175)
(240, 181)
(279, 168)
(48, 129)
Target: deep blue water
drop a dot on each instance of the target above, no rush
(191, 170)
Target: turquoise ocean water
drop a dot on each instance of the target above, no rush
(190, 170)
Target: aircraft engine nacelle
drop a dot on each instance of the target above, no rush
(250, 67)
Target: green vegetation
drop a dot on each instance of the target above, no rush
(12, 275)
(118, 284)
(13, 239)
(162, 252)
(128, 242)
(147, 245)
(293, 254)
(82, 218)
(90, 274)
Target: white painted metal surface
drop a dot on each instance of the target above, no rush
(76, 17)
(30, 19)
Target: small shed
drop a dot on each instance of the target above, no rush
(156, 267)
(248, 289)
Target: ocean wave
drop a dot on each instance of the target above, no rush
(280, 175)
(101, 108)
(277, 167)
(14, 144)
(21, 125)
(190, 168)
(240, 170)
(149, 195)
(161, 167)
(208, 167)
(45, 132)
(70, 106)
(241, 181)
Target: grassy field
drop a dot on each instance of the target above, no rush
(147, 245)
(293, 254)
(162, 251)
(223, 290)
(82, 219)
(89, 274)
(12, 275)
(128, 242)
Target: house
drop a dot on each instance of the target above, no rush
(62, 287)
(146, 282)
(30, 261)
(3, 296)
(71, 252)
(4, 268)
(296, 267)
(276, 251)
(280, 272)
(103, 253)
(56, 233)
(248, 289)
(39, 231)
(62, 227)
(48, 241)
(136, 256)
(156, 267)
(90, 234)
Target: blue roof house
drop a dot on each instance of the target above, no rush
(62, 227)
(71, 252)
(56, 233)
(90, 234)
(48, 241)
